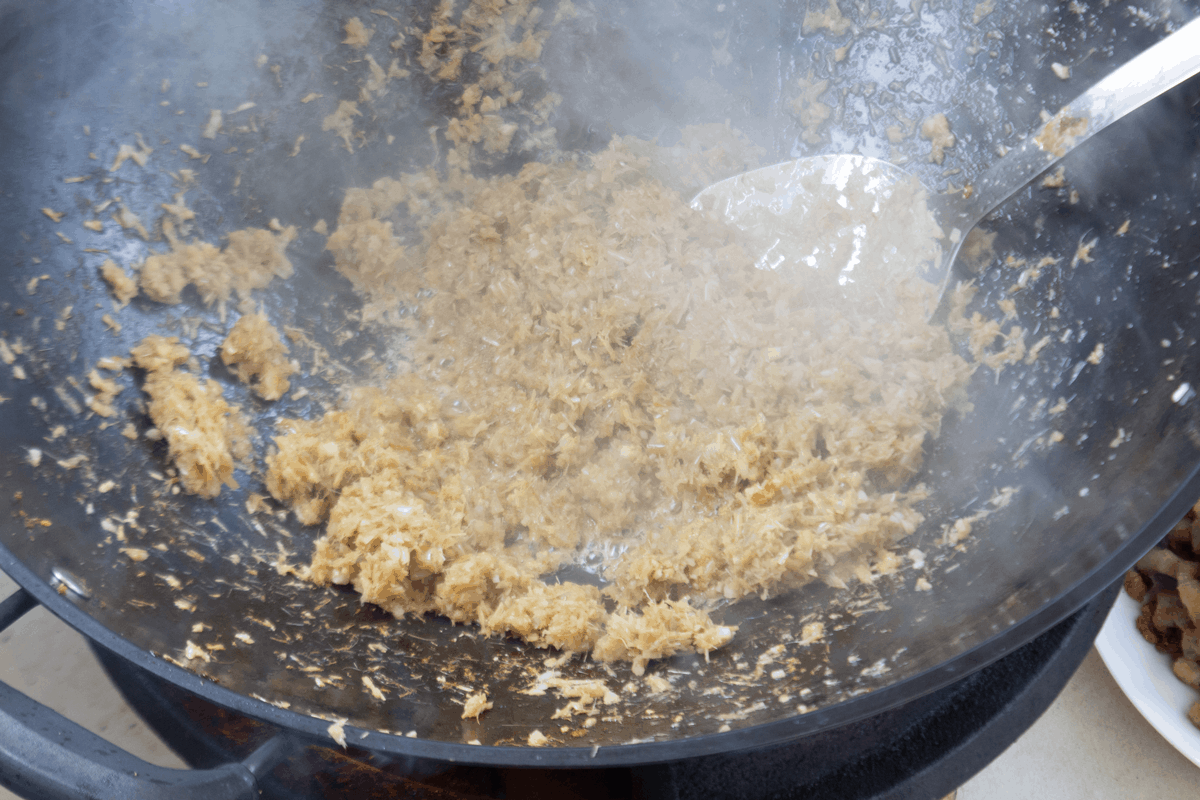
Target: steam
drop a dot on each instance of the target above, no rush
(653, 69)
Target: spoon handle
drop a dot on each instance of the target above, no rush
(1144, 77)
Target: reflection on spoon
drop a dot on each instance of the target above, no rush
(789, 209)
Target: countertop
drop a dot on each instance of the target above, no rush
(1091, 743)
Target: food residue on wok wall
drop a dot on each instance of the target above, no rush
(592, 372)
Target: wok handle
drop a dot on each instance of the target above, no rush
(45, 755)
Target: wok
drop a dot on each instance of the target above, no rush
(1087, 507)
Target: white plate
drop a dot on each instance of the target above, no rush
(1144, 674)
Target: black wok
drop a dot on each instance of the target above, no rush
(1087, 507)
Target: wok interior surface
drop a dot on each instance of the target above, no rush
(1085, 508)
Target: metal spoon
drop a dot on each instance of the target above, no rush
(742, 198)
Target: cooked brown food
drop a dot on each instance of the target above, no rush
(124, 288)
(1166, 581)
(250, 260)
(599, 373)
(205, 435)
(258, 356)
(592, 373)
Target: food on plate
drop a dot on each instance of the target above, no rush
(1167, 584)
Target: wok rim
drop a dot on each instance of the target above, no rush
(777, 732)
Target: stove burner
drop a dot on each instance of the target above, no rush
(924, 749)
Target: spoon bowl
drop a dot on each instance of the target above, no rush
(854, 227)
(781, 205)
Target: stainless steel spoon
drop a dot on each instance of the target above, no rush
(1159, 68)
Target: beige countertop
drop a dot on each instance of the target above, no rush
(1091, 744)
